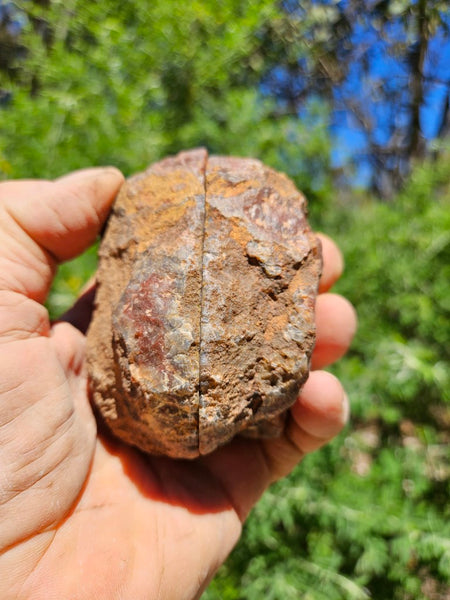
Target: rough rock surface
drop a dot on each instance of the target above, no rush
(204, 320)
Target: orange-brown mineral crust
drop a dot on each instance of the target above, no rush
(204, 319)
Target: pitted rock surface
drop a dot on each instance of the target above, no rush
(204, 319)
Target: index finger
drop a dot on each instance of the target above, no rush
(333, 263)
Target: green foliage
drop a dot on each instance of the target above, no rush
(398, 271)
(330, 533)
(127, 83)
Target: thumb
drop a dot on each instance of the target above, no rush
(47, 222)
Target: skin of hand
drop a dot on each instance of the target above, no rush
(82, 516)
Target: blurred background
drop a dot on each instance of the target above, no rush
(351, 99)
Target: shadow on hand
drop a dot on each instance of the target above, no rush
(79, 315)
(178, 482)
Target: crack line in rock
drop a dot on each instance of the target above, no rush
(202, 269)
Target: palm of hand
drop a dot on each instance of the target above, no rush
(116, 511)
(83, 516)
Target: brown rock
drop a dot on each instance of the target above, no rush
(204, 320)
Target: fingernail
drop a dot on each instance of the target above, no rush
(345, 409)
(91, 173)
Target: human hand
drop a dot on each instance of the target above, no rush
(82, 516)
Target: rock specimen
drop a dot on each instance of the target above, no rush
(204, 319)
